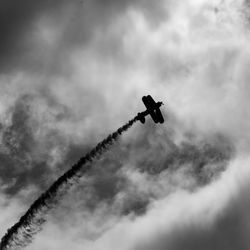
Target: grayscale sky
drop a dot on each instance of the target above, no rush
(72, 71)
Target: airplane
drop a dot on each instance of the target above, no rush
(153, 109)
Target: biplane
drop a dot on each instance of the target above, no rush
(153, 109)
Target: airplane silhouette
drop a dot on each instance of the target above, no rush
(153, 109)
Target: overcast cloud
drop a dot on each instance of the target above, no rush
(71, 72)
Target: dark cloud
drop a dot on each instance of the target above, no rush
(17, 21)
(22, 45)
(204, 157)
(24, 160)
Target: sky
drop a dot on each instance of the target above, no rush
(71, 72)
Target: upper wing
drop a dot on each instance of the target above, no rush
(149, 102)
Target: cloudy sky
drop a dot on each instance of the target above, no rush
(72, 71)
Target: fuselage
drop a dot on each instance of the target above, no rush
(149, 110)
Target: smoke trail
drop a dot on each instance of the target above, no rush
(21, 234)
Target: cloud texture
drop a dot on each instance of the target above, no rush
(71, 72)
